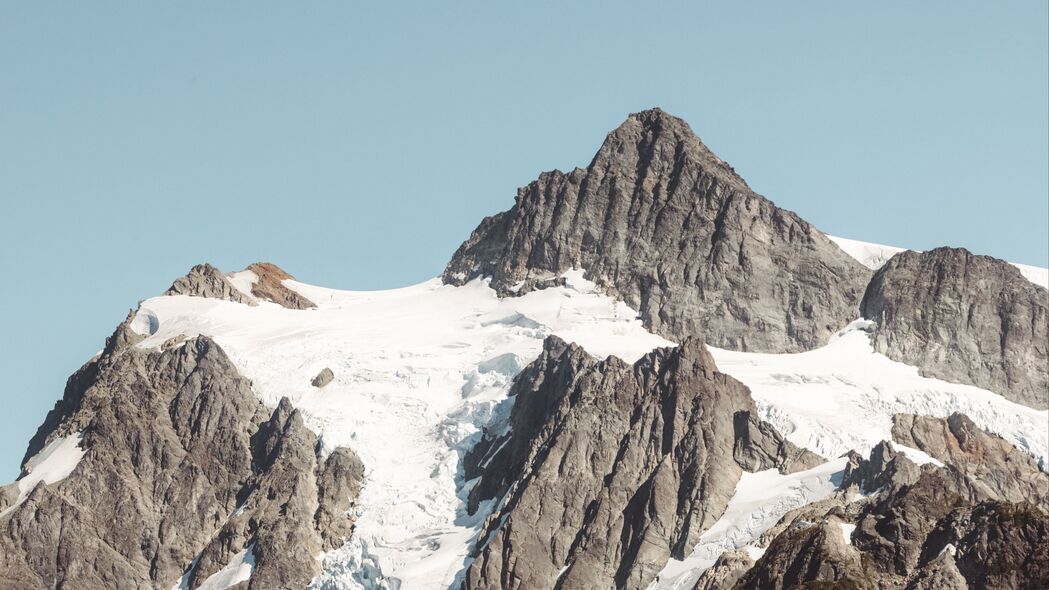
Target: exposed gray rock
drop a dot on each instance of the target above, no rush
(180, 461)
(759, 445)
(949, 527)
(204, 280)
(339, 482)
(964, 318)
(660, 221)
(609, 468)
(993, 463)
(323, 378)
(270, 287)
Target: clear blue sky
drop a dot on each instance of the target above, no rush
(356, 144)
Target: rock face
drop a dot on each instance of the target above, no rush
(660, 221)
(182, 469)
(989, 461)
(270, 287)
(964, 318)
(609, 469)
(979, 522)
(204, 280)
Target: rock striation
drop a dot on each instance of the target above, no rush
(608, 469)
(182, 469)
(660, 221)
(980, 521)
(964, 318)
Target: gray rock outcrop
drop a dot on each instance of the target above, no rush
(964, 318)
(323, 378)
(609, 469)
(204, 280)
(993, 463)
(979, 522)
(182, 468)
(661, 222)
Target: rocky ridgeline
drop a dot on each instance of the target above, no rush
(608, 469)
(660, 221)
(979, 522)
(204, 280)
(964, 318)
(182, 469)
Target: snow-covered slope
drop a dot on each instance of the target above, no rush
(420, 370)
(873, 256)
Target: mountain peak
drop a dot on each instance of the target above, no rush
(654, 134)
(660, 221)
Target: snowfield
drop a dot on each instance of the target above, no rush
(419, 372)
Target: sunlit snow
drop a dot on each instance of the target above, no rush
(52, 464)
(419, 371)
(236, 571)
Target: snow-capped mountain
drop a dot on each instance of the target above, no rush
(642, 375)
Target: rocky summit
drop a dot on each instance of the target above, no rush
(661, 222)
(642, 376)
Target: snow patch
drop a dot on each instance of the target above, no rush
(846, 532)
(243, 281)
(238, 570)
(52, 464)
(761, 499)
(873, 256)
(919, 457)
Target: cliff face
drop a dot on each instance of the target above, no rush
(180, 469)
(609, 469)
(964, 318)
(660, 221)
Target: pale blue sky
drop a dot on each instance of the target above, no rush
(356, 144)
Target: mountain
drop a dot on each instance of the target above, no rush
(660, 222)
(641, 376)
